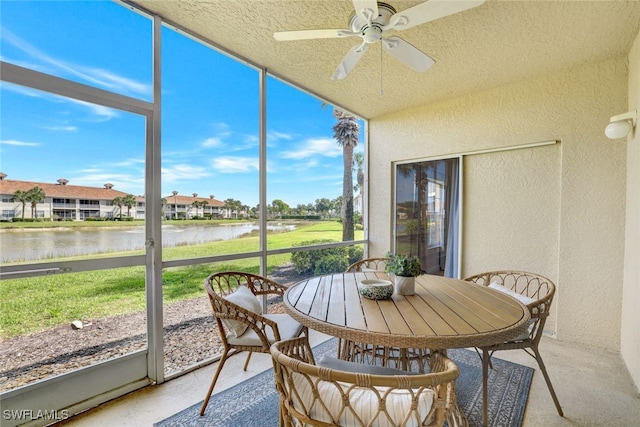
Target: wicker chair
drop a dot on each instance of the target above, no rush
(321, 396)
(242, 326)
(536, 292)
(368, 264)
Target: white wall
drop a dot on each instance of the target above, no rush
(585, 176)
(630, 332)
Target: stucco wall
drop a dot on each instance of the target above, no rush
(585, 177)
(630, 332)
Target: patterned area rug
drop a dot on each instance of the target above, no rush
(254, 402)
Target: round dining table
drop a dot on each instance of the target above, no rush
(443, 313)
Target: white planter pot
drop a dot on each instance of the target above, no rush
(405, 285)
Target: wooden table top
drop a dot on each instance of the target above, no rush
(443, 313)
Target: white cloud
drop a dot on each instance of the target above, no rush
(62, 128)
(275, 135)
(97, 76)
(22, 90)
(183, 172)
(251, 139)
(315, 147)
(19, 143)
(212, 142)
(133, 184)
(129, 162)
(105, 113)
(233, 164)
(222, 129)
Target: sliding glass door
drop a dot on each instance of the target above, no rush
(427, 213)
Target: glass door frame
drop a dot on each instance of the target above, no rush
(84, 388)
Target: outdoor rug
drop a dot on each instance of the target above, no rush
(254, 402)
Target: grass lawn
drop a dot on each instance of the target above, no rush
(37, 303)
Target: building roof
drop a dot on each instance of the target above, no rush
(62, 190)
(188, 200)
(9, 187)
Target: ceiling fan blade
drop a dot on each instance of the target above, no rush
(349, 62)
(312, 34)
(403, 51)
(429, 11)
(367, 9)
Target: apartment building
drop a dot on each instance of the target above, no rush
(77, 202)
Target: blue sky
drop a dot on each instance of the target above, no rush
(209, 102)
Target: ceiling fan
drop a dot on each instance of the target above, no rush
(372, 21)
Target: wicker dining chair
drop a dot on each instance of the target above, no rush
(318, 395)
(368, 264)
(536, 292)
(241, 323)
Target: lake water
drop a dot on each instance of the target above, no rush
(34, 244)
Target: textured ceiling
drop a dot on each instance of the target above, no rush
(481, 48)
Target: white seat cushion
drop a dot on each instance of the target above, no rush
(287, 326)
(524, 300)
(363, 368)
(245, 299)
(364, 401)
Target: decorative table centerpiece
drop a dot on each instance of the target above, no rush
(375, 288)
(405, 268)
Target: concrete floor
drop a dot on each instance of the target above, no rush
(593, 387)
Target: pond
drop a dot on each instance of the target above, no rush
(41, 244)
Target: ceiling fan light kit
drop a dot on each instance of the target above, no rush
(372, 21)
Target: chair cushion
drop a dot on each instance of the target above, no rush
(524, 300)
(364, 402)
(363, 368)
(245, 299)
(287, 326)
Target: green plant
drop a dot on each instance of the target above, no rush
(324, 261)
(403, 265)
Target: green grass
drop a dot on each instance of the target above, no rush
(38, 303)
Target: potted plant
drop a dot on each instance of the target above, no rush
(405, 268)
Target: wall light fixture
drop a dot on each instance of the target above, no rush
(619, 126)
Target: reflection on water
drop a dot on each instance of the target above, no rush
(34, 244)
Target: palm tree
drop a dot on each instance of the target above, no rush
(196, 204)
(346, 134)
(358, 162)
(35, 196)
(22, 197)
(175, 203)
(163, 202)
(129, 201)
(203, 204)
(119, 202)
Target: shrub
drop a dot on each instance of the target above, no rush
(329, 263)
(355, 254)
(324, 261)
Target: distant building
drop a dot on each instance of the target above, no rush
(77, 202)
(178, 206)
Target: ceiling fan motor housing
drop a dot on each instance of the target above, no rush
(372, 32)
